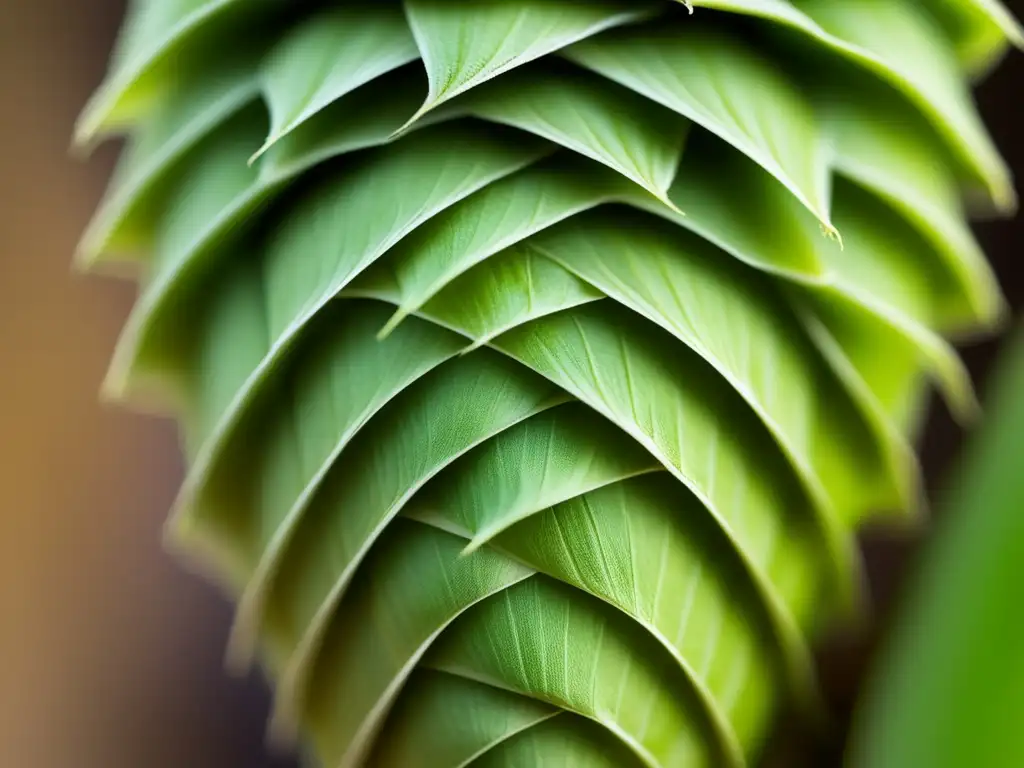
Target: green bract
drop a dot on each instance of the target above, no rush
(536, 360)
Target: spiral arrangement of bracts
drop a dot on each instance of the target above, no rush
(537, 359)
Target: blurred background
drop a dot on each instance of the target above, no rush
(110, 654)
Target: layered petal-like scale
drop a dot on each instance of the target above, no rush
(537, 360)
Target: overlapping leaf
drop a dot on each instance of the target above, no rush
(144, 66)
(329, 55)
(613, 126)
(714, 80)
(898, 42)
(419, 179)
(528, 408)
(465, 44)
(606, 670)
(125, 221)
(478, 397)
(718, 309)
(416, 584)
(980, 29)
(477, 719)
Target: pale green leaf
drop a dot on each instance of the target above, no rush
(414, 585)
(145, 65)
(442, 719)
(566, 741)
(551, 458)
(451, 410)
(499, 216)
(980, 29)
(677, 407)
(889, 270)
(551, 642)
(797, 252)
(646, 546)
(731, 202)
(876, 376)
(731, 317)
(718, 82)
(125, 222)
(251, 482)
(898, 42)
(466, 43)
(895, 159)
(328, 55)
(999, 14)
(905, 40)
(419, 178)
(508, 289)
(585, 113)
(641, 561)
(882, 361)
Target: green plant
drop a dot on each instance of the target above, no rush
(949, 690)
(531, 405)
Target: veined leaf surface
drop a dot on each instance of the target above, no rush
(529, 411)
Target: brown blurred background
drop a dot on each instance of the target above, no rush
(110, 654)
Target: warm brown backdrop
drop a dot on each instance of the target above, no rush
(110, 655)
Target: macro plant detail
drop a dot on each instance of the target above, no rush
(536, 361)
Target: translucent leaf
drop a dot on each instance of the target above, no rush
(891, 272)
(548, 641)
(905, 39)
(733, 203)
(716, 81)
(466, 43)
(980, 29)
(508, 289)
(614, 126)
(442, 719)
(646, 546)
(551, 458)
(880, 391)
(328, 55)
(869, 278)
(676, 407)
(126, 220)
(143, 66)
(499, 216)
(901, 44)
(450, 411)
(731, 318)
(895, 159)
(563, 742)
(413, 586)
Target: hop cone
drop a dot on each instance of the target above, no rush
(536, 360)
